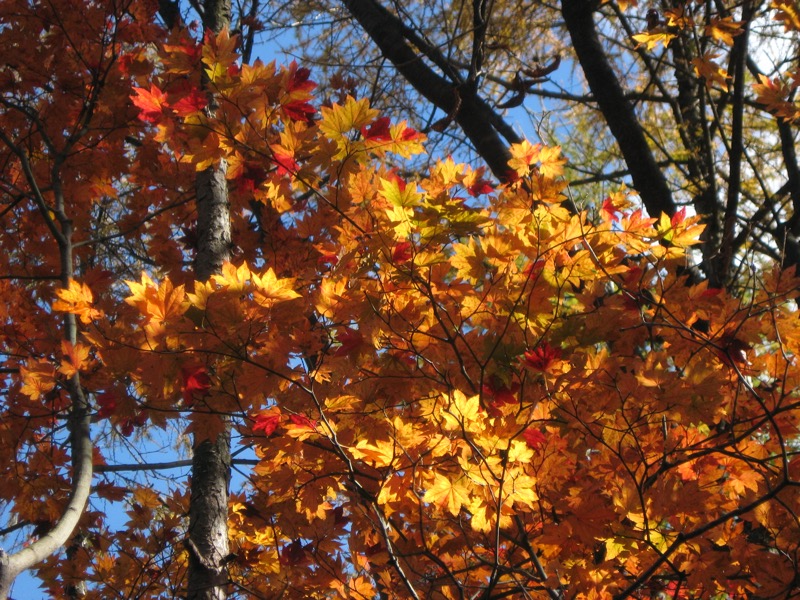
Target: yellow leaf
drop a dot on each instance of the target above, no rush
(361, 587)
(463, 413)
(651, 40)
(551, 162)
(77, 299)
(520, 452)
(447, 494)
(523, 156)
(219, 53)
(38, 378)
(399, 194)
(707, 69)
(331, 297)
(339, 120)
(788, 13)
(268, 289)
(158, 302)
(468, 260)
(74, 358)
(381, 454)
(724, 29)
(521, 489)
(233, 279)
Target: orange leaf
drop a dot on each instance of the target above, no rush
(151, 103)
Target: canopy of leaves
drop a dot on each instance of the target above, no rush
(691, 103)
(447, 388)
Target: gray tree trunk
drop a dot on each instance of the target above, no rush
(211, 461)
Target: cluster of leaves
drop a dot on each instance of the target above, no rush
(452, 389)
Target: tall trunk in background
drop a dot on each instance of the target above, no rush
(211, 461)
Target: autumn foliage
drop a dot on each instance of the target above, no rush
(451, 389)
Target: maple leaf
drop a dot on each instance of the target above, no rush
(75, 357)
(402, 252)
(551, 161)
(38, 378)
(609, 211)
(268, 290)
(724, 29)
(377, 131)
(500, 393)
(301, 427)
(350, 340)
(285, 160)
(161, 303)
(299, 79)
(447, 495)
(542, 358)
(774, 94)
(235, 279)
(463, 413)
(710, 71)
(299, 110)
(524, 155)
(195, 383)
(77, 299)
(151, 103)
(679, 230)
(294, 554)
(338, 120)
(788, 13)
(652, 39)
(219, 56)
(534, 438)
(107, 403)
(379, 455)
(267, 422)
(480, 187)
(190, 102)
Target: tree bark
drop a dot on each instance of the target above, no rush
(484, 127)
(648, 179)
(211, 462)
(60, 225)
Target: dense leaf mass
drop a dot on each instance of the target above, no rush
(448, 388)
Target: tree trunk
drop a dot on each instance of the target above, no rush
(211, 462)
(648, 179)
(484, 127)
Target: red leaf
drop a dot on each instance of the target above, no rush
(299, 110)
(293, 554)
(610, 210)
(284, 161)
(678, 217)
(151, 104)
(303, 421)
(327, 259)
(401, 252)
(194, 101)
(196, 382)
(378, 131)
(107, 403)
(350, 339)
(542, 357)
(500, 393)
(299, 80)
(267, 423)
(480, 187)
(409, 134)
(126, 427)
(534, 438)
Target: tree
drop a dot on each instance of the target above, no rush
(674, 98)
(452, 388)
